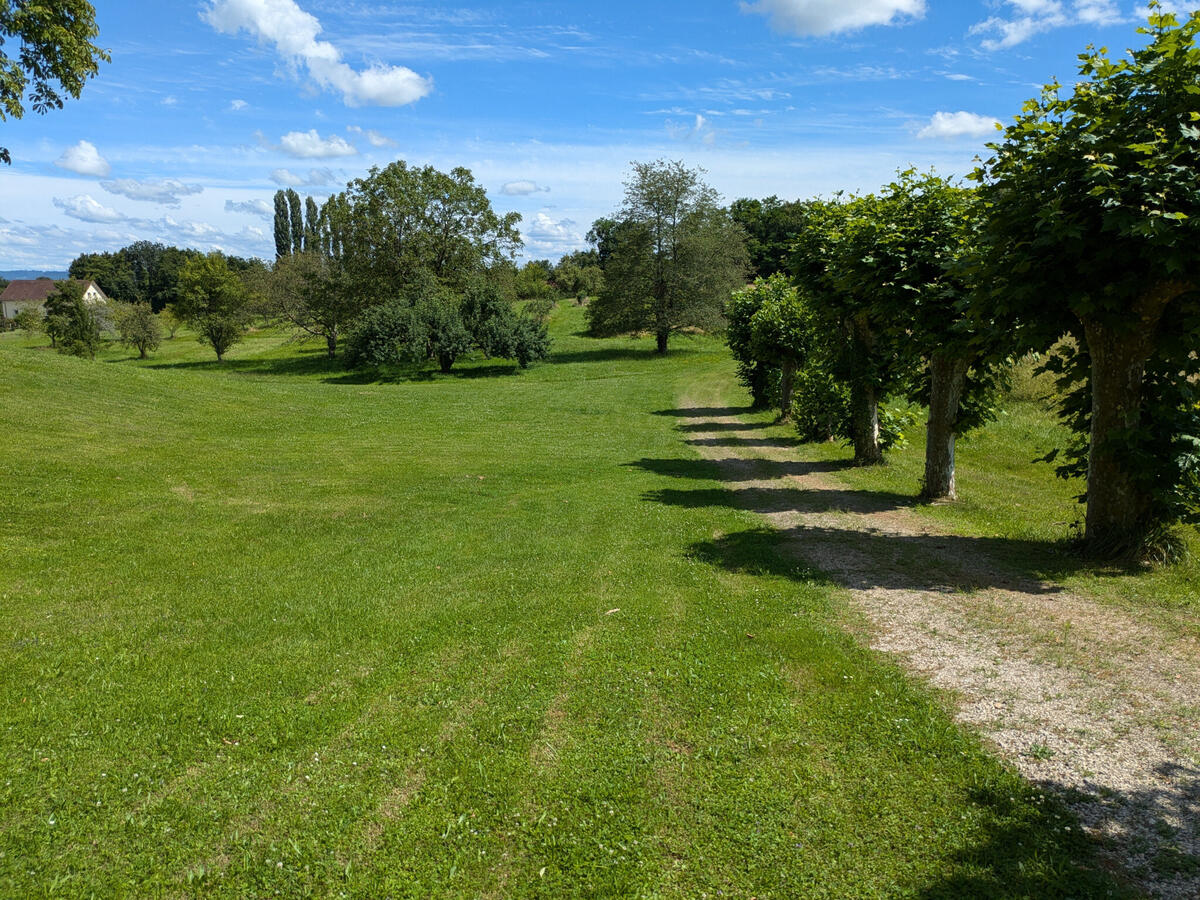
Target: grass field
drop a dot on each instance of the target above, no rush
(273, 629)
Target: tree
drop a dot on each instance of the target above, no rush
(72, 323)
(170, 321)
(55, 58)
(313, 295)
(312, 226)
(214, 301)
(781, 333)
(910, 258)
(295, 220)
(673, 259)
(138, 327)
(30, 320)
(1093, 230)
(283, 226)
(770, 227)
(402, 221)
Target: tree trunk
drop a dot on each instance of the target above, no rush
(786, 379)
(660, 340)
(864, 399)
(1118, 507)
(331, 343)
(948, 375)
(445, 361)
(142, 352)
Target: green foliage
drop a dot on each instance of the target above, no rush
(138, 327)
(498, 330)
(283, 225)
(169, 320)
(30, 320)
(73, 324)
(214, 301)
(54, 55)
(312, 225)
(771, 226)
(821, 404)
(295, 221)
(673, 256)
(143, 272)
(313, 294)
(759, 376)
(1092, 230)
(533, 281)
(400, 223)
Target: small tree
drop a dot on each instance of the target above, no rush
(214, 301)
(169, 320)
(30, 320)
(138, 327)
(1093, 230)
(312, 294)
(73, 324)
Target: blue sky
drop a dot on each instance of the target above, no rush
(207, 108)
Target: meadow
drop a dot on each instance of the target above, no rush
(275, 628)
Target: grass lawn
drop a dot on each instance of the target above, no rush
(273, 629)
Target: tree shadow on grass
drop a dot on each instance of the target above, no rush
(308, 363)
(745, 442)
(713, 427)
(1151, 836)
(611, 354)
(737, 469)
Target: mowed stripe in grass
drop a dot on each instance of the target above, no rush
(266, 630)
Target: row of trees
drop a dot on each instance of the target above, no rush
(1079, 244)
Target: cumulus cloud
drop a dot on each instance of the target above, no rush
(86, 209)
(951, 125)
(310, 145)
(545, 235)
(253, 207)
(84, 159)
(374, 138)
(522, 189)
(167, 192)
(294, 32)
(824, 17)
(1030, 17)
(314, 178)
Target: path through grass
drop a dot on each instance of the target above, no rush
(269, 631)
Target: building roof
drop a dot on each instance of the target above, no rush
(36, 289)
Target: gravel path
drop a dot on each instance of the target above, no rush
(1100, 708)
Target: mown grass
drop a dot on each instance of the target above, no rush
(270, 630)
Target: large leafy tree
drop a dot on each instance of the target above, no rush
(402, 222)
(312, 294)
(673, 258)
(54, 55)
(1093, 231)
(909, 256)
(214, 301)
(771, 225)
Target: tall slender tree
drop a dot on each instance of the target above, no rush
(296, 219)
(283, 227)
(312, 225)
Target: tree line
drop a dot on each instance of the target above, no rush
(1077, 243)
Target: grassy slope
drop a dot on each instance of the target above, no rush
(287, 633)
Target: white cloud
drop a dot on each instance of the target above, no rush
(167, 192)
(84, 159)
(697, 128)
(1032, 17)
(824, 17)
(170, 100)
(522, 188)
(86, 209)
(310, 145)
(547, 236)
(237, 105)
(951, 125)
(315, 178)
(294, 34)
(253, 207)
(374, 138)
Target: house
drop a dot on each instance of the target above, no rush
(31, 293)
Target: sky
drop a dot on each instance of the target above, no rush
(207, 108)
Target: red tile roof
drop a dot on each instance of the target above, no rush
(34, 289)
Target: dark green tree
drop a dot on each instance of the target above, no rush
(312, 294)
(54, 55)
(295, 221)
(72, 323)
(1093, 230)
(312, 225)
(283, 226)
(770, 225)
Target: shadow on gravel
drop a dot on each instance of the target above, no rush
(745, 442)
(693, 412)
(736, 469)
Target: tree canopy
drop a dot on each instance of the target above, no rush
(54, 56)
